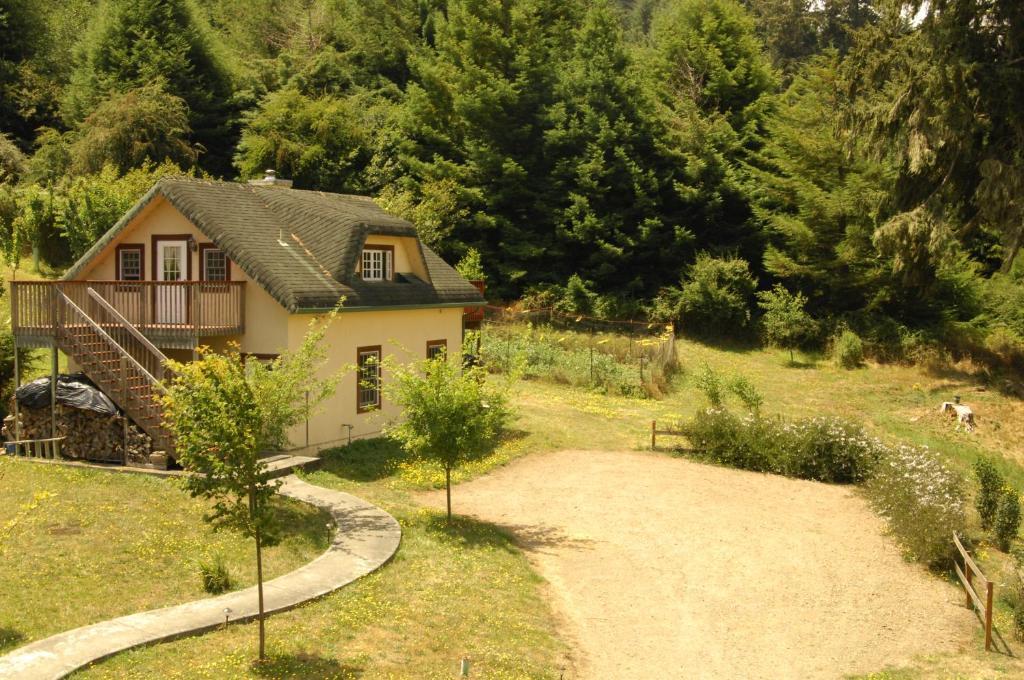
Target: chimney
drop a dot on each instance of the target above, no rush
(270, 179)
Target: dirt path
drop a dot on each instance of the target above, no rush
(664, 568)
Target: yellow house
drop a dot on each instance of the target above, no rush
(199, 262)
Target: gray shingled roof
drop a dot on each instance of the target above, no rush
(301, 246)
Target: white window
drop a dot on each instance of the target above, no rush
(215, 264)
(378, 263)
(129, 263)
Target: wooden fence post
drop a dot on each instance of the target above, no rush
(988, 616)
(654, 425)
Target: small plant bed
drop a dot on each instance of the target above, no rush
(451, 591)
(636, 364)
(78, 546)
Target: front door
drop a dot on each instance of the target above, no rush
(171, 265)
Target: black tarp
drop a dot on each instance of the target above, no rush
(73, 389)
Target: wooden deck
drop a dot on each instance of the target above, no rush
(171, 314)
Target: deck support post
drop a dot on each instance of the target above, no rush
(53, 390)
(17, 384)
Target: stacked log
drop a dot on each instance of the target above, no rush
(88, 435)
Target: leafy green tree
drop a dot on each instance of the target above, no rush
(714, 298)
(451, 414)
(94, 203)
(712, 80)
(224, 414)
(1007, 523)
(22, 34)
(794, 31)
(990, 491)
(12, 160)
(471, 266)
(129, 129)
(712, 53)
(132, 43)
(320, 143)
(784, 322)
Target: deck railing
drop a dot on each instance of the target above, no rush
(171, 309)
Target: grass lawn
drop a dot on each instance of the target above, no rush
(450, 592)
(101, 544)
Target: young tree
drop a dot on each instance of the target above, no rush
(785, 323)
(224, 413)
(451, 414)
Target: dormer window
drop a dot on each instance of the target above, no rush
(378, 263)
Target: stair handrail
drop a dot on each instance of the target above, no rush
(117, 347)
(128, 326)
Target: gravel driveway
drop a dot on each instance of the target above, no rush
(664, 568)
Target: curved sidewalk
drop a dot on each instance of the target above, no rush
(365, 538)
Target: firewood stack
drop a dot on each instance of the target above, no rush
(87, 435)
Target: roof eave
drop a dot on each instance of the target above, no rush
(389, 308)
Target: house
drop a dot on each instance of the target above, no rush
(198, 262)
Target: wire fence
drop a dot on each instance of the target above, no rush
(632, 358)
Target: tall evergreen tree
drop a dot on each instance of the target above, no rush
(818, 196)
(475, 117)
(133, 43)
(940, 95)
(624, 213)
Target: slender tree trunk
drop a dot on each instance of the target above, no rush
(448, 488)
(791, 359)
(259, 574)
(1014, 247)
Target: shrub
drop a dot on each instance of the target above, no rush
(708, 382)
(719, 436)
(921, 499)
(713, 300)
(990, 484)
(822, 449)
(748, 395)
(829, 450)
(1007, 522)
(848, 349)
(216, 576)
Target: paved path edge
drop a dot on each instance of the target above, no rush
(365, 539)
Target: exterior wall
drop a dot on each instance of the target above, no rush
(266, 322)
(402, 335)
(407, 254)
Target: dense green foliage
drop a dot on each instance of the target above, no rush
(990, 489)
(864, 154)
(822, 449)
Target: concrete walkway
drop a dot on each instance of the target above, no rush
(366, 537)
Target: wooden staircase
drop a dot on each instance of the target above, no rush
(118, 358)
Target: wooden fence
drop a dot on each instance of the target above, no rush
(667, 432)
(974, 598)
